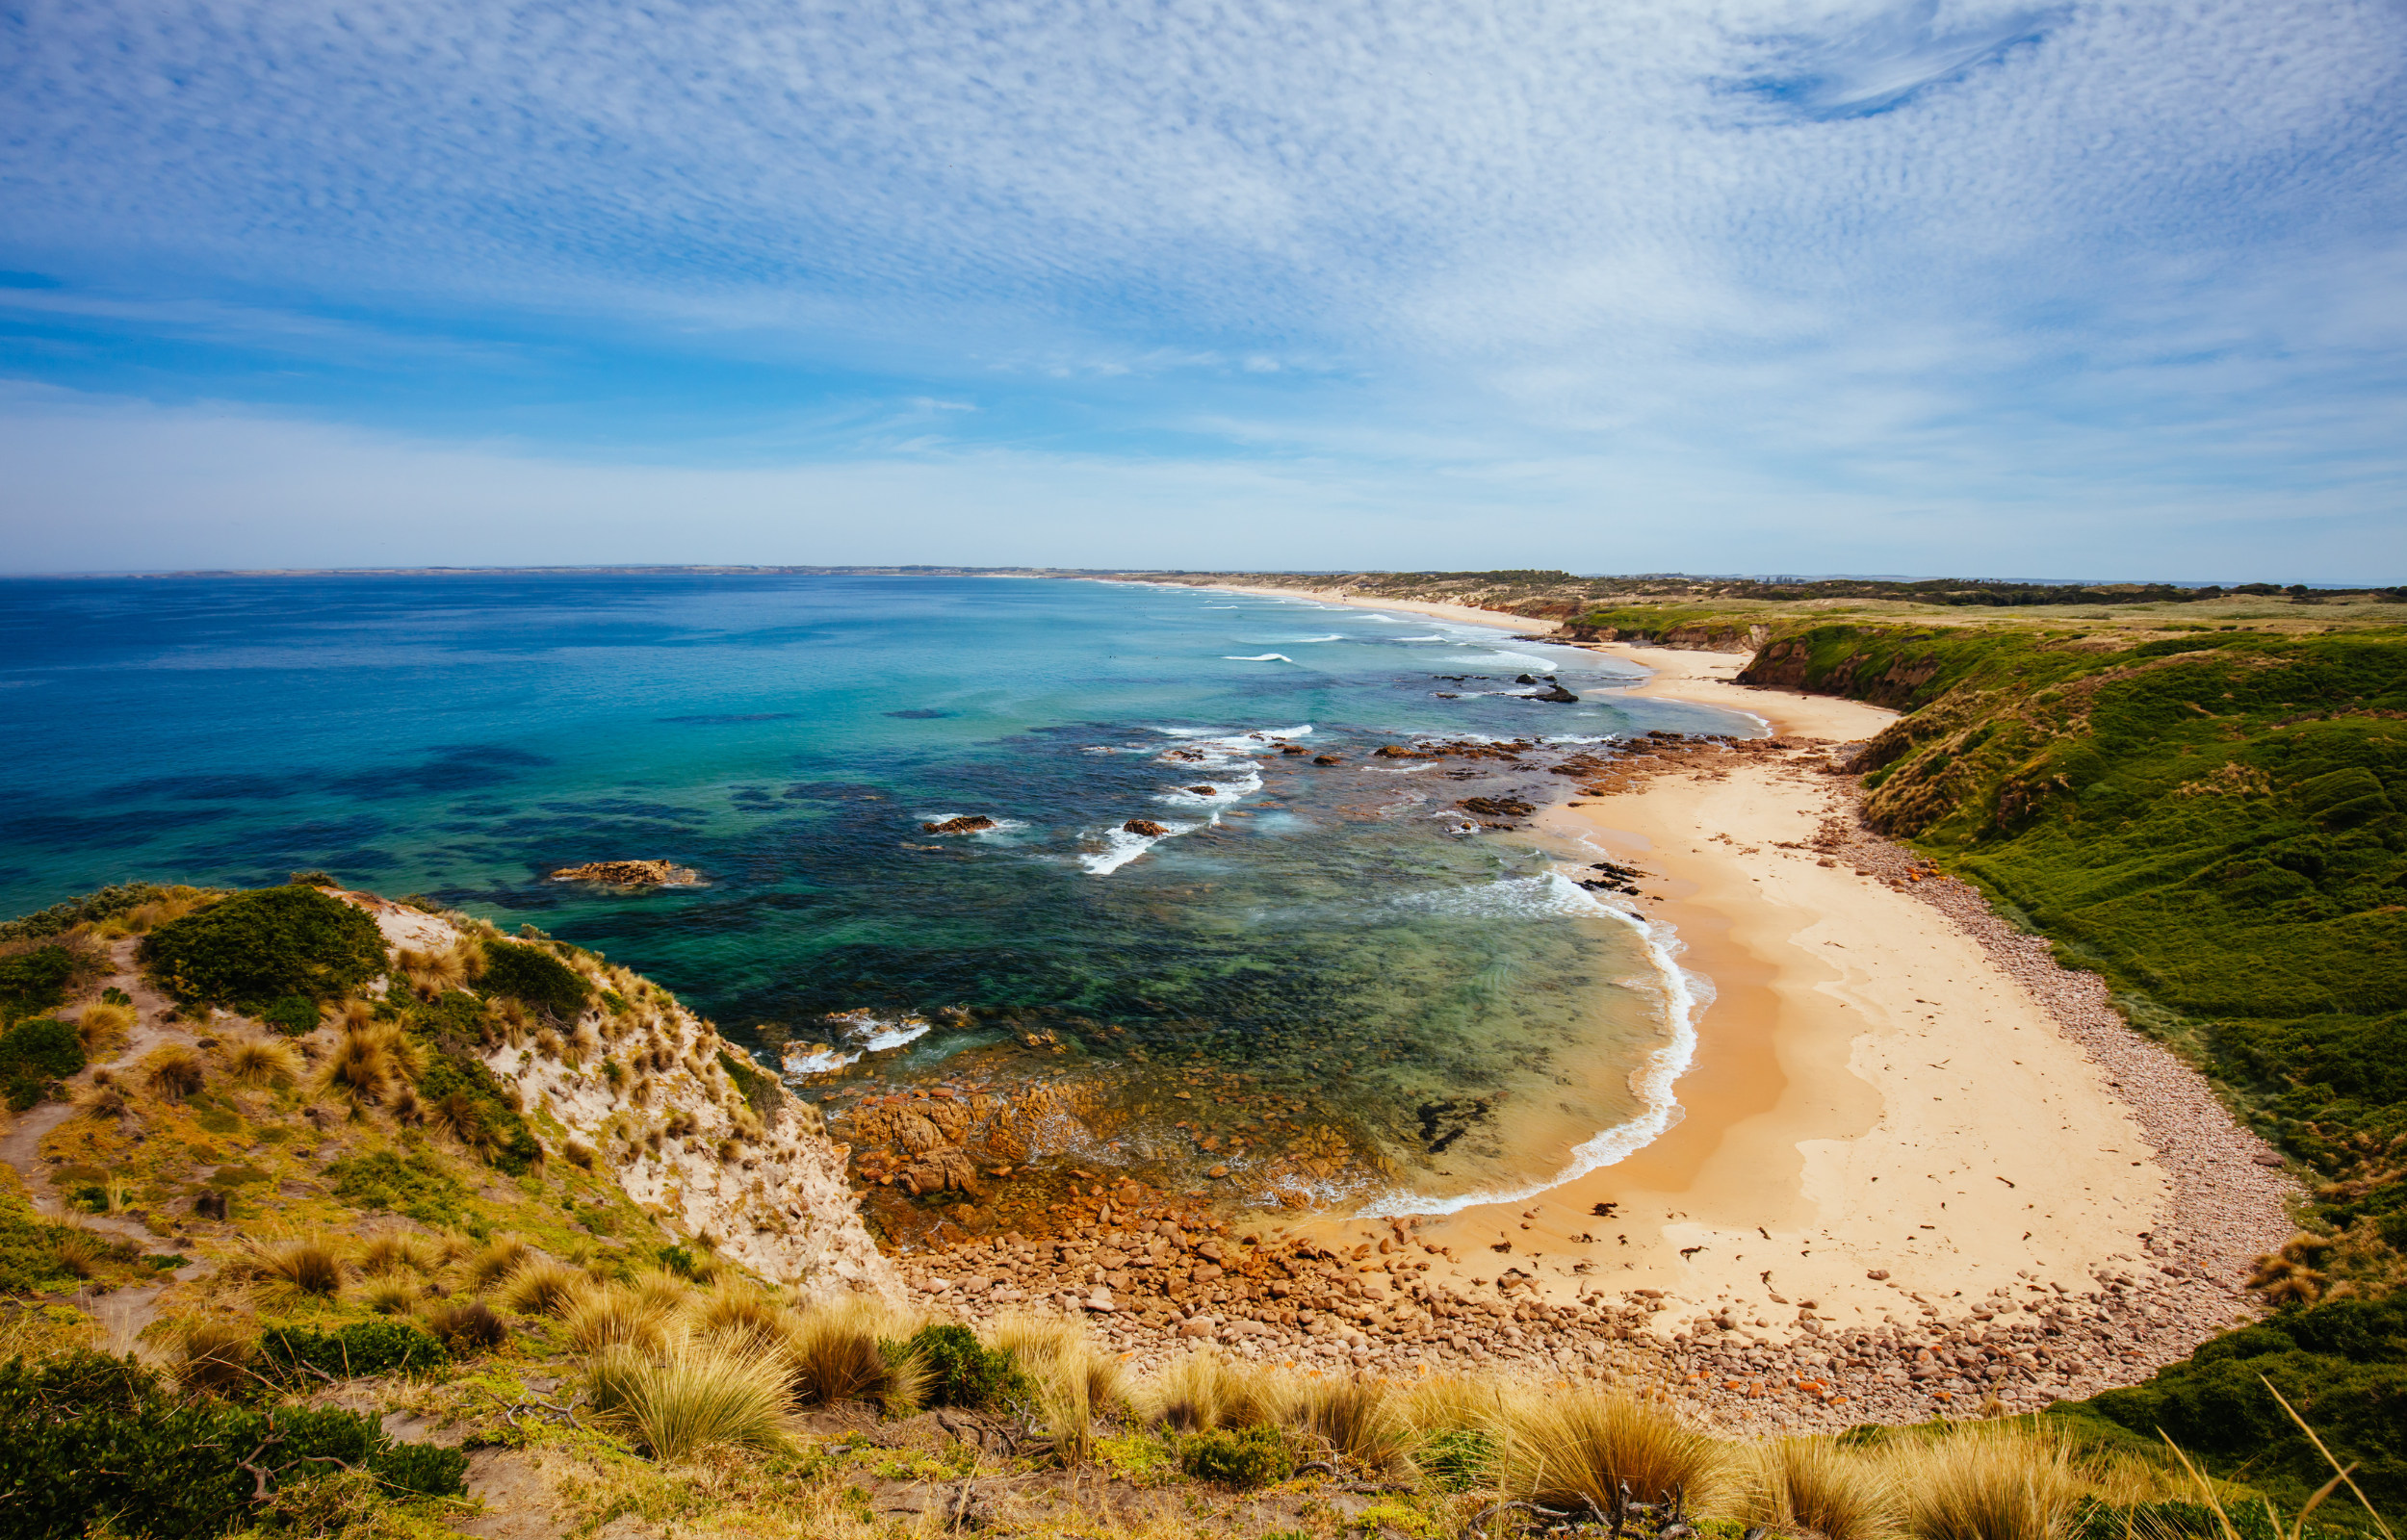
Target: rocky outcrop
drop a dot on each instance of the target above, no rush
(630, 874)
(966, 824)
(1146, 827)
(694, 1132)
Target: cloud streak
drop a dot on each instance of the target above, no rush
(1889, 252)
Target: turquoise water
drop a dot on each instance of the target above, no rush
(1463, 1017)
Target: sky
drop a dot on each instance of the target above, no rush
(2086, 290)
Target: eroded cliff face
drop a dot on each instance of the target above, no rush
(693, 1130)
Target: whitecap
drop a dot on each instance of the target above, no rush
(1331, 637)
(1266, 657)
(1421, 638)
(817, 1059)
(876, 1035)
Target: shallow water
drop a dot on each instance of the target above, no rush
(1318, 937)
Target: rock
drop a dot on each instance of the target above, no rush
(1553, 692)
(1217, 1171)
(1206, 791)
(1878, 1274)
(1327, 758)
(630, 874)
(1289, 747)
(1146, 827)
(1100, 1300)
(1496, 806)
(1199, 1326)
(968, 824)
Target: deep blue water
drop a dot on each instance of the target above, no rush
(1323, 930)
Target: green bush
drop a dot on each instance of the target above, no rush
(352, 1351)
(533, 975)
(267, 946)
(83, 1435)
(34, 1056)
(1241, 1457)
(964, 1371)
(415, 1185)
(758, 1087)
(296, 1015)
(36, 981)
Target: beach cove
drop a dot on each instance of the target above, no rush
(1917, 1167)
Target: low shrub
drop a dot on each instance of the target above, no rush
(415, 1185)
(34, 1056)
(353, 1351)
(83, 1434)
(296, 1015)
(464, 1098)
(1237, 1457)
(81, 911)
(267, 946)
(964, 1371)
(35, 982)
(535, 976)
(1455, 1460)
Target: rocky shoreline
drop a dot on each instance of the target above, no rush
(1156, 1272)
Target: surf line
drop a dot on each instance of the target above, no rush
(1686, 997)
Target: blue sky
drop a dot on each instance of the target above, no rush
(2080, 290)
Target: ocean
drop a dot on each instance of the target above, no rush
(1431, 1015)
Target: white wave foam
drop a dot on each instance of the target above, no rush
(876, 1035)
(813, 1058)
(1333, 636)
(1421, 638)
(1266, 657)
(1121, 847)
(1549, 893)
(1685, 996)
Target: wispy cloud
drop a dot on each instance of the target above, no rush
(1943, 253)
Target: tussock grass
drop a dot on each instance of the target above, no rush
(394, 1295)
(211, 1354)
(78, 1252)
(174, 1072)
(1998, 1482)
(1811, 1484)
(695, 1396)
(261, 1060)
(618, 1316)
(662, 1290)
(1203, 1391)
(467, 1325)
(433, 974)
(393, 1250)
(496, 1260)
(1076, 1381)
(311, 1266)
(104, 1097)
(733, 1311)
(838, 1351)
(103, 1028)
(1570, 1448)
(542, 1286)
(371, 1063)
(1356, 1416)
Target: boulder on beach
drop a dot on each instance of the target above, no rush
(966, 824)
(1496, 806)
(1146, 827)
(630, 874)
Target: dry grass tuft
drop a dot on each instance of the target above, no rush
(733, 1311)
(102, 1099)
(78, 1252)
(835, 1353)
(661, 1290)
(1568, 1449)
(174, 1072)
(496, 1260)
(1359, 1417)
(433, 974)
(1811, 1484)
(1204, 1391)
(371, 1062)
(617, 1317)
(104, 1027)
(695, 1396)
(393, 1250)
(312, 1267)
(467, 1325)
(543, 1287)
(1989, 1483)
(394, 1295)
(211, 1353)
(1076, 1380)
(261, 1061)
